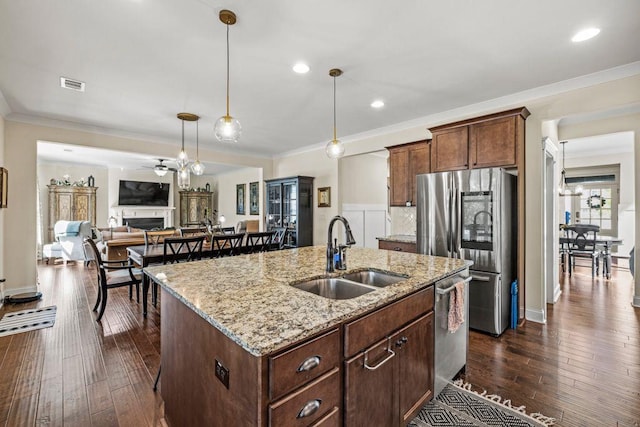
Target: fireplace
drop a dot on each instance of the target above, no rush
(144, 223)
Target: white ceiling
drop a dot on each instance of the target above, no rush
(143, 61)
(613, 143)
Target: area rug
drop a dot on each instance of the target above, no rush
(27, 320)
(457, 405)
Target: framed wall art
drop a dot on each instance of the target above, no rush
(4, 187)
(324, 197)
(254, 198)
(240, 190)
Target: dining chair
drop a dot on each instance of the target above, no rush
(583, 245)
(194, 231)
(226, 244)
(112, 274)
(278, 238)
(259, 241)
(155, 237)
(178, 249)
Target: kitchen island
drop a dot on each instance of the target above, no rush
(241, 346)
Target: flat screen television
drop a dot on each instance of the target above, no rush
(140, 193)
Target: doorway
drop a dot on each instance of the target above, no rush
(550, 246)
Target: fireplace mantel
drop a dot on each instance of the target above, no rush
(122, 212)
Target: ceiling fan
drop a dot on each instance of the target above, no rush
(161, 169)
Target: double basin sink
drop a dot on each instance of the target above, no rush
(349, 285)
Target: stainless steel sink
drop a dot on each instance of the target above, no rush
(334, 288)
(375, 278)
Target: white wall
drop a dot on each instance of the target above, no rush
(363, 178)
(225, 185)
(2, 211)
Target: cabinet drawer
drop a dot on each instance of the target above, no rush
(318, 399)
(398, 246)
(291, 369)
(332, 419)
(375, 326)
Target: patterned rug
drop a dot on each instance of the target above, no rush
(27, 320)
(457, 405)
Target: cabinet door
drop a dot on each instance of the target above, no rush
(274, 206)
(64, 207)
(81, 207)
(450, 149)
(399, 176)
(369, 393)
(419, 163)
(414, 347)
(493, 143)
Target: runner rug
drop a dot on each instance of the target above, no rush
(27, 320)
(457, 405)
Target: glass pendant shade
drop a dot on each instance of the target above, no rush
(160, 172)
(184, 178)
(334, 149)
(197, 168)
(227, 129)
(183, 159)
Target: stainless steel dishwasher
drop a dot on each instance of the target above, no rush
(450, 348)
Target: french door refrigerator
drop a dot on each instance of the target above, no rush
(472, 215)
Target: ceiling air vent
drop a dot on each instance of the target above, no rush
(71, 84)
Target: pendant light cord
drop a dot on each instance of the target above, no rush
(197, 142)
(227, 69)
(334, 108)
(182, 134)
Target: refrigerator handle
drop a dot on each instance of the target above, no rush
(449, 219)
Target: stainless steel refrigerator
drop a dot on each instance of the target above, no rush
(472, 215)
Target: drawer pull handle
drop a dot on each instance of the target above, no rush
(397, 248)
(390, 354)
(309, 364)
(310, 408)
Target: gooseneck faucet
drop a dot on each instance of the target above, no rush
(332, 250)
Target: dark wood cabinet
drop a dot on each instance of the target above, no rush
(494, 140)
(398, 246)
(405, 162)
(450, 150)
(195, 207)
(290, 205)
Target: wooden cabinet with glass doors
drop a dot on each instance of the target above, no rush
(290, 206)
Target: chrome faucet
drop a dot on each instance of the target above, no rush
(338, 249)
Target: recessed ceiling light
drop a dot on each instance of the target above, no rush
(377, 103)
(301, 68)
(585, 34)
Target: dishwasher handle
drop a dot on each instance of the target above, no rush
(452, 287)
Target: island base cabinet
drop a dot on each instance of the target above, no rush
(385, 384)
(193, 395)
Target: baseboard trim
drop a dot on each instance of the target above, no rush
(535, 316)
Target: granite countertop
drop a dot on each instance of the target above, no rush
(250, 300)
(402, 238)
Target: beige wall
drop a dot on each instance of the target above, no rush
(325, 171)
(226, 191)
(2, 211)
(363, 179)
(20, 149)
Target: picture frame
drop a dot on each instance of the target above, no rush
(4, 187)
(240, 190)
(324, 197)
(254, 198)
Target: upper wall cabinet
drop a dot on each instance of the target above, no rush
(488, 141)
(405, 162)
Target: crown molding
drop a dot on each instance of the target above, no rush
(504, 102)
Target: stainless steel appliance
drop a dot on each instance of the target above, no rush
(472, 215)
(450, 348)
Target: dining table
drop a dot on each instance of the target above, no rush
(145, 255)
(605, 242)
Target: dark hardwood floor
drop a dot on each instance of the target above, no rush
(583, 367)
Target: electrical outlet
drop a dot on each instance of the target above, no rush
(222, 373)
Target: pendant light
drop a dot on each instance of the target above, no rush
(334, 148)
(227, 128)
(183, 159)
(197, 168)
(563, 190)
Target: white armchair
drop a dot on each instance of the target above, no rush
(69, 245)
